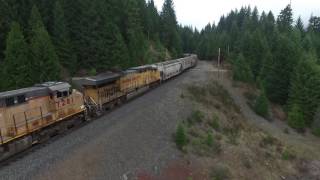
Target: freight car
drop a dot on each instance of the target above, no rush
(31, 115)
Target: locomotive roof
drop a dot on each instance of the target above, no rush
(55, 86)
(142, 68)
(28, 92)
(37, 90)
(97, 80)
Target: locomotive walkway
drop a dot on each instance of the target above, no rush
(134, 137)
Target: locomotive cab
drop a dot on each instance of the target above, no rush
(63, 101)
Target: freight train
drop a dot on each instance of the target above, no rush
(32, 115)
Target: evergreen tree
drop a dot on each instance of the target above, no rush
(314, 24)
(62, 41)
(305, 88)
(134, 32)
(117, 56)
(35, 22)
(285, 19)
(153, 21)
(241, 70)
(300, 26)
(169, 30)
(296, 118)
(45, 63)
(286, 54)
(16, 72)
(261, 105)
(181, 138)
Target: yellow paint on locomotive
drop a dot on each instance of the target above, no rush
(104, 94)
(135, 80)
(34, 114)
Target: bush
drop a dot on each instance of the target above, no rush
(220, 173)
(296, 118)
(214, 123)
(92, 72)
(268, 141)
(180, 138)
(261, 106)
(288, 155)
(209, 140)
(196, 116)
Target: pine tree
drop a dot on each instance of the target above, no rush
(314, 24)
(285, 19)
(261, 105)
(241, 70)
(296, 118)
(286, 55)
(44, 60)
(169, 30)
(16, 72)
(117, 56)
(305, 88)
(180, 138)
(135, 38)
(153, 21)
(62, 41)
(300, 26)
(35, 22)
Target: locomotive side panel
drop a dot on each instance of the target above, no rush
(26, 117)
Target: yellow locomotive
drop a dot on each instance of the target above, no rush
(25, 114)
(109, 89)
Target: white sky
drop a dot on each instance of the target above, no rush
(199, 13)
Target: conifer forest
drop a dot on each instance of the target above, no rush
(44, 40)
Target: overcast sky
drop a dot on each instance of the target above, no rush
(200, 12)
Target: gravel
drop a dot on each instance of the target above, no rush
(135, 137)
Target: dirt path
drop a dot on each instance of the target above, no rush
(307, 144)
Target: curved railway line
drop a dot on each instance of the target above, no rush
(33, 117)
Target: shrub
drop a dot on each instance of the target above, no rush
(92, 72)
(220, 173)
(288, 155)
(261, 105)
(296, 118)
(197, 116)
(209, 140)
(214, 123)
(180, 138)
(268, 141)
